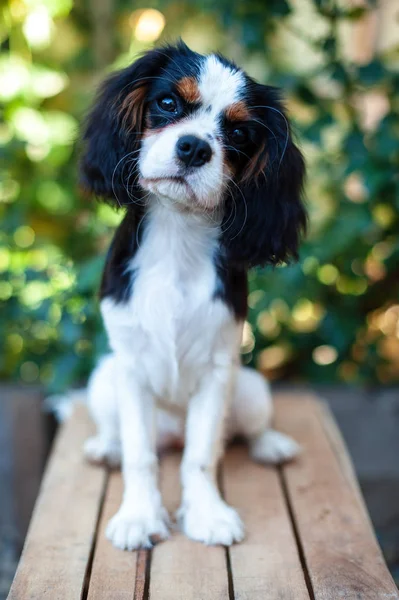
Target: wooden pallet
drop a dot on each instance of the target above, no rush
(308, 532)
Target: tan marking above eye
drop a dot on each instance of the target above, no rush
(238, 111)
(188, 89)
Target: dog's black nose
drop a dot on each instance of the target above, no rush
(193, 151)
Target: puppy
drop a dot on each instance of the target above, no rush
(201, 158)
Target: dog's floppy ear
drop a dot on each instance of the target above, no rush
(113, 129)
(265, 216)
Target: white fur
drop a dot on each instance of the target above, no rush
(175, 364)
(219, 87)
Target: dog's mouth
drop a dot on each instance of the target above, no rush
(177, 192)
(166, 178)
(164, 186)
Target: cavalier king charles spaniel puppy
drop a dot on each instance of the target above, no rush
(200, 156)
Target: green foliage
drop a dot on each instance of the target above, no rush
(332, 317)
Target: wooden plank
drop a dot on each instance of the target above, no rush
(114, 571)
(266, 564)
(180, 568)
(63, 526)
(30, 449)
(23, 448)
(342, 556)
(330, 427)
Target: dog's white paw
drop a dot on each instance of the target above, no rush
(99, 450)
(128, 531)
(211, 523)
(273, 447)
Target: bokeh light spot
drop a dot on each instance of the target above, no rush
(24, 236)
(383, 215)
(38, 259)
(5, 290)
(255, 297)
(4, 259)
(15, 342)
(306, 316)
(9, 189)
(33, 293)
(267, 324)
(279, 309)
(149, 25)
(37, 27)
(327, 274)
(310, 265)
(324, 355)
(248, 340)
(273, 357)
(355, 188)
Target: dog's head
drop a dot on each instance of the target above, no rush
(200, 135)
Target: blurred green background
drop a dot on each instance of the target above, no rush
(334, 317)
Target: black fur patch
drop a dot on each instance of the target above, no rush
(232, 286)
(118, 279)
(264, 216)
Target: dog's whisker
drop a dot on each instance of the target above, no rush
(246, 211)
(286, 125)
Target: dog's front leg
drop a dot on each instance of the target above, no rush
(141, 519)
(204, 516)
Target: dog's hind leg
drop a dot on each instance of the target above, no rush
(251, 417)
(105, 446)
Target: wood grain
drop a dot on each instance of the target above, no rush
(336, 440)
(62, 530)
(113, 571)
(180, 568)
(330, 540)
(342, 556)
(266, 564)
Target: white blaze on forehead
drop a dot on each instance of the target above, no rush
(219, 85)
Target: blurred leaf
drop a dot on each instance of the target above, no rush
(88, 275)
(372, 73)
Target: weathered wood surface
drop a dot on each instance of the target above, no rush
(308, 533)
(58, 547)
(113, 573)
(267, 563)
(24, 444)
(182, 569)
(341, 554)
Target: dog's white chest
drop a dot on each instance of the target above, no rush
(172, 326)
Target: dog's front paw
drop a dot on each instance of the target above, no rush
(211, 523)
(99, 450)
(128, 531)
(274, 447)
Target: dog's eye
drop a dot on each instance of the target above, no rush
(239, 136)
(167, 104)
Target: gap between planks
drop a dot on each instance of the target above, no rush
(266, 562)
(265, 565)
